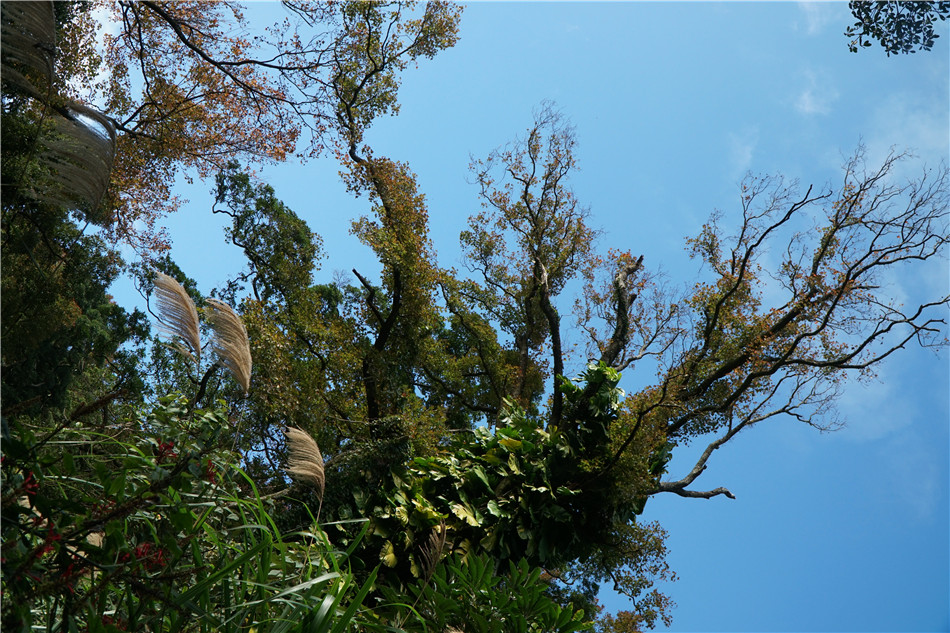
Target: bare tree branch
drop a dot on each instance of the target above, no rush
(695, 494)
(743, 361)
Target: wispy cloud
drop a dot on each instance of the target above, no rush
(904, 122)
(873, 410)
(817, 95)
(817, 15)
(742, 146)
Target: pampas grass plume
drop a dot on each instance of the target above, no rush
(304, 462)
(230, 341)
(178, 315)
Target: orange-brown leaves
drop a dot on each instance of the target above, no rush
(530, 242)
(400, 234)
(532, 238)
(181, 105)
(625, 311)
(781, 342)
(190, 89)
(378, 41)
(532, 207)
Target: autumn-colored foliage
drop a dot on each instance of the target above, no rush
(188, 90)
(449, 437)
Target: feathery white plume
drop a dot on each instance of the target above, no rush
(178, 317)
(230, 341)
(304, 461)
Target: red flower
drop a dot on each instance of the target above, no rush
(165, 452)
(151, 556)
(51, 537)
(211, 473)
(117, 622)
(30, 485)
(74, 568)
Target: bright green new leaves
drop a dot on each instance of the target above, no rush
(522, 491)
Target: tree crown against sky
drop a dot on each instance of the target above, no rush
(392, 376)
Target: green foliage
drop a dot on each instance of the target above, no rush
(378, 40)
(531, 240)
(519, 493)
(496, 492)
(473, 486)
(591, 404)
(151, 526)
(632, 561)
(331, 357)
(468, 596)
(57, 315)
(900, 27)
(144, 521)
(58, 319)
(280, 248)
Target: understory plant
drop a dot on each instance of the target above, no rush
(152, 526)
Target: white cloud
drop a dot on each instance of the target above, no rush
(817, 95)
(913, 475)
(817, 16)
(873, 410)
(908, 392)
(742, 146)
(904, 122)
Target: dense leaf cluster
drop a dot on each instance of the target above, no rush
(468, 485)
(900, 27)
(151, 526)
(517, 491)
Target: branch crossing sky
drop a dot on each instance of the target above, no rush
(673, 104)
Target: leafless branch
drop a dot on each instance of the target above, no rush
(743, 362)
(695, 494)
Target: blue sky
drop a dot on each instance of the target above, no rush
(673, 103)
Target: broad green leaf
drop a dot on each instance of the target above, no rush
(465, 514)
(388, 555)
(479, 473)
(510, 443)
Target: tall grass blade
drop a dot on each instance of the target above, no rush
(433, 550)
(29, 41)
(76, 147)
(77, 156)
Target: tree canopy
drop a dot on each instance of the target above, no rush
(899, 27)
(407, 448)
